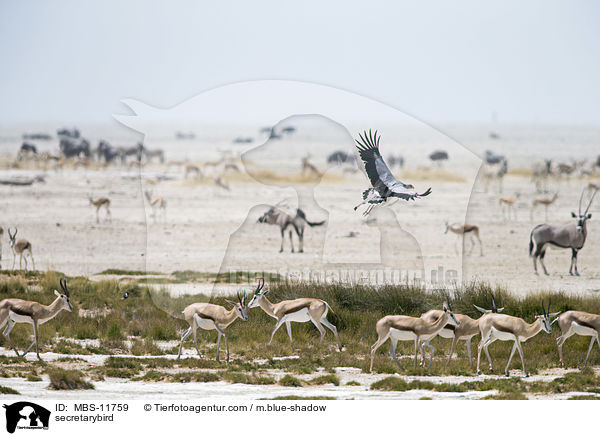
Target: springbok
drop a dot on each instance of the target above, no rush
(408, 328)
(298, 310)
(14, 310)
(221, 182)
(308, 167)
(99, 203)
(507, 205)
(193, 169)
(460, 231)
(570, 235)
(466, 330)
(575, 322)
(543, 201)
(494, 326)
(285, 220)
(209, 316)
(20, 247)
(157, 203)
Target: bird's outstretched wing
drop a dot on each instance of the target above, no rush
(379, 173)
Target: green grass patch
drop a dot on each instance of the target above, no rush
(325, 379)
(8, 391)
(290, 380)
(249, 379)
(65, 379)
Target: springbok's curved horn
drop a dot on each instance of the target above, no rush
(590, 203)
(63, 286)
(261, 284)
(494, 307)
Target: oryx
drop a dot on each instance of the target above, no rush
(570, 235)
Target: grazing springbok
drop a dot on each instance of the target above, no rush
(157, 203)
(209, 316)
(542, 201)
(193, 169)
(494, 326)
(98, 203)
(285, 220)
(570, 235)
(221, 182)
(308, 167)
(507, 207)
(575, 322)
(14, 310)
(466, 330)
(466, 229)
(408, 328)
(20, 247)
(298, 310)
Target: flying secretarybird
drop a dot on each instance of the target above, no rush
(385, 185)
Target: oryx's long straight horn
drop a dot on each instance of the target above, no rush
(580, 200)
(590, 203)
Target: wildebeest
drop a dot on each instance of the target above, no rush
(28, 147)
(107, 152)
(73, 133)
(37, 136)
(73, 147)
(243, 140)
(152, 153)
(570, 235)
(135, 150)
(340, 157)
(286, 221)
(492, 158)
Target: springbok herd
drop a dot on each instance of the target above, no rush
(492, 325)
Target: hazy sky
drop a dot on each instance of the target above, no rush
(72, 62)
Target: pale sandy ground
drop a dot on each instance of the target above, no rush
(115, 388)
(208, 229)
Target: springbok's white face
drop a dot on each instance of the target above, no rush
(451, 318)
(545, 321)
(66, 301)
(256, 299)
(240, 307)
(241, 312)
